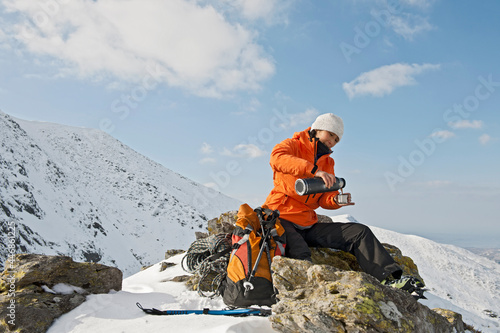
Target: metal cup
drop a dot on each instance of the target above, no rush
(342, 199)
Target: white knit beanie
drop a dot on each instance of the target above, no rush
(329, 122)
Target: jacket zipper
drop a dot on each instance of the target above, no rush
(315, 152)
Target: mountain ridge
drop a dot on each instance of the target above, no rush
(82, 193)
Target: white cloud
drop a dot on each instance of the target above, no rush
(268, 11)
(485, 139)
(443, 135)
(383, 80)
(252, 106)
(408, 25)
(208, 160)
(249, 151)
(476, 124)
(256, 9)
(177, 42)
(206, 148)
(305, 118)
(226, 152)
(419, 3)
(3, 36)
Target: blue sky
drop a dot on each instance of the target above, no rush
(207, 88)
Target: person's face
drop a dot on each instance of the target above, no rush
(329, 139)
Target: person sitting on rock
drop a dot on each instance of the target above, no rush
(305, 155)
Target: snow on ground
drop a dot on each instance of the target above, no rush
(117, 312)
(458, 280)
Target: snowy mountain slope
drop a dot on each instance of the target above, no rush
(81, 193)
(117, 312)
(459, 276)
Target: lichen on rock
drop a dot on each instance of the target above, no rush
(40, 288)
(322, 298)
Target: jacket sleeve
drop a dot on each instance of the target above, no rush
(326, 200)
(284, 159)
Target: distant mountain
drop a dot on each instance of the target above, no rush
(82, 193)
(463, 281)
(492, 254)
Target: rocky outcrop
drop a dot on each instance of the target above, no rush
(224, 224)
(343, 260)
(322, 298)
(332, 294)
(36, 289)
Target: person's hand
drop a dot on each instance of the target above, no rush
(328, 178)
(349, 203)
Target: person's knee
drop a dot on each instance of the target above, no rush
(296, 245)
(362, 230)
(299, 253)
(360, 234)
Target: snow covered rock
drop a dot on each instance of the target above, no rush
(38, 289)
(322, 298)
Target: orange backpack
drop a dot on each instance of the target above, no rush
(257, 238)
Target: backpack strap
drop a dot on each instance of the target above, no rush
(267, 217)
(277, 240)
(246, 235)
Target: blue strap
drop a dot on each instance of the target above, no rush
(206, 311)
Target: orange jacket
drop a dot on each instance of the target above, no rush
(290, 160)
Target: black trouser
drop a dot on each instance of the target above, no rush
(354, 238)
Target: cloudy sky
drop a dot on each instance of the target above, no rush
(208, 87)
